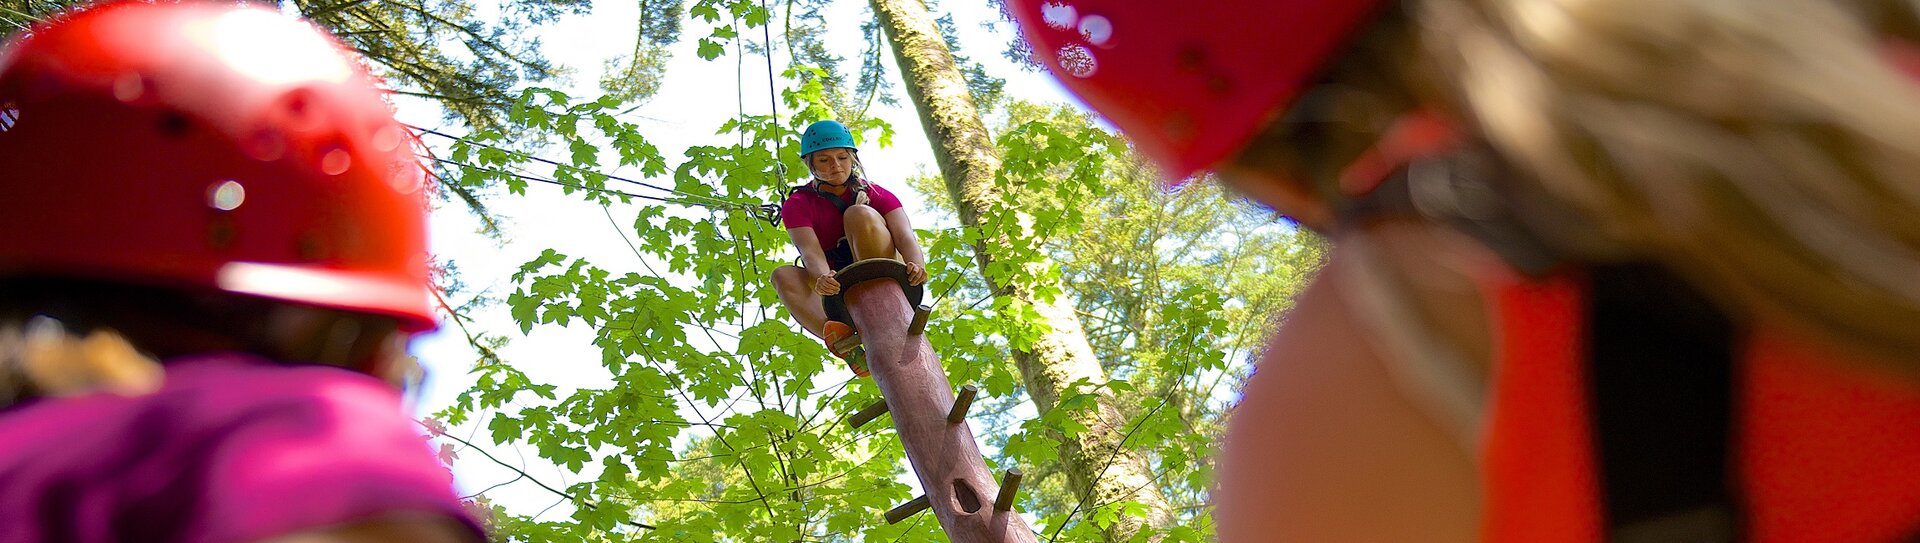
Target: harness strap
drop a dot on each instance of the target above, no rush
(859, 190)
(1662, 376)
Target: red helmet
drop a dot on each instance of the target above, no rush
(209, 147)
(1192, 83)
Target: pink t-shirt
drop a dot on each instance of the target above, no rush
(231, 449)
(807, 209)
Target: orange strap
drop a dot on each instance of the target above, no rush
(1416, 134)
(1828, 449)
(1540, 467)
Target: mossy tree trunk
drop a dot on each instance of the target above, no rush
(1099, 469)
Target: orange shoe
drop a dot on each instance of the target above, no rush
(844, 343)
(858, 362)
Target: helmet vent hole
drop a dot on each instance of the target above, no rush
(226, 195)
(1193, 57)
(309, 247)
(9, 115)
(298, 112)
(221, 233)
(172, 125)
(266, 145)
(1097, 30)
(1059, 16)
(129, 88)
(1077, 61)
(335, 161)
(388, 138)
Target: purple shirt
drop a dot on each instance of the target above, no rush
(231, 449)
(806, 209)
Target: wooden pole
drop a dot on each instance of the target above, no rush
(943, 455)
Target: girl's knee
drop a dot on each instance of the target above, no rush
(862, 213)
(862, 220)
(788, 277)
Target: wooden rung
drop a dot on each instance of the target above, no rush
(1009, 487)
(961, 403)
(919, 324)
(900, 513)
(867, 415)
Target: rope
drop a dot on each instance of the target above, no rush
(769, 213)
(558, 164)
(773, 101)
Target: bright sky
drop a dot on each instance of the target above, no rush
(696, 98)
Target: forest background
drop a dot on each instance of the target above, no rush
(613, 365)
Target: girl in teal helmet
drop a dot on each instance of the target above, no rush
(836, 219)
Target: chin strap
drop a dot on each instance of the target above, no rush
(1456, 189)
(1416, 134)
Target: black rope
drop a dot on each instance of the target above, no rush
(525, 177)
(773, 100)
(770, 213)
(558, 164)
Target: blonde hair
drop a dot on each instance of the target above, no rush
(40, 357)
(65, 338)
(1769, 151)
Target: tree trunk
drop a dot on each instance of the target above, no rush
(1099, 470)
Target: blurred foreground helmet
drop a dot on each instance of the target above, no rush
(208, 147)
(1192, 83)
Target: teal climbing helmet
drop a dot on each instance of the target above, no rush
(825, 135)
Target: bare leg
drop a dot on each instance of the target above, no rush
(796, 292)
(867, 233)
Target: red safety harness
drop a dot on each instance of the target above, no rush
(1808, 443)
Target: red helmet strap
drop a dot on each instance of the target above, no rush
(1416, 134)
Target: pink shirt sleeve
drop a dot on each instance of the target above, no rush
(881, 199)
(793, 213)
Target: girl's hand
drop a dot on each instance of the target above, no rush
(916, 273)
(826, 285)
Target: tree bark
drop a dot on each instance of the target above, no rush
(1099, 470)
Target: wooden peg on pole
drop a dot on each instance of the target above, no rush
(1009, 488)
(867, 415)
(961, 404)
(902, 511)
(919, 324)
(847, 343)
